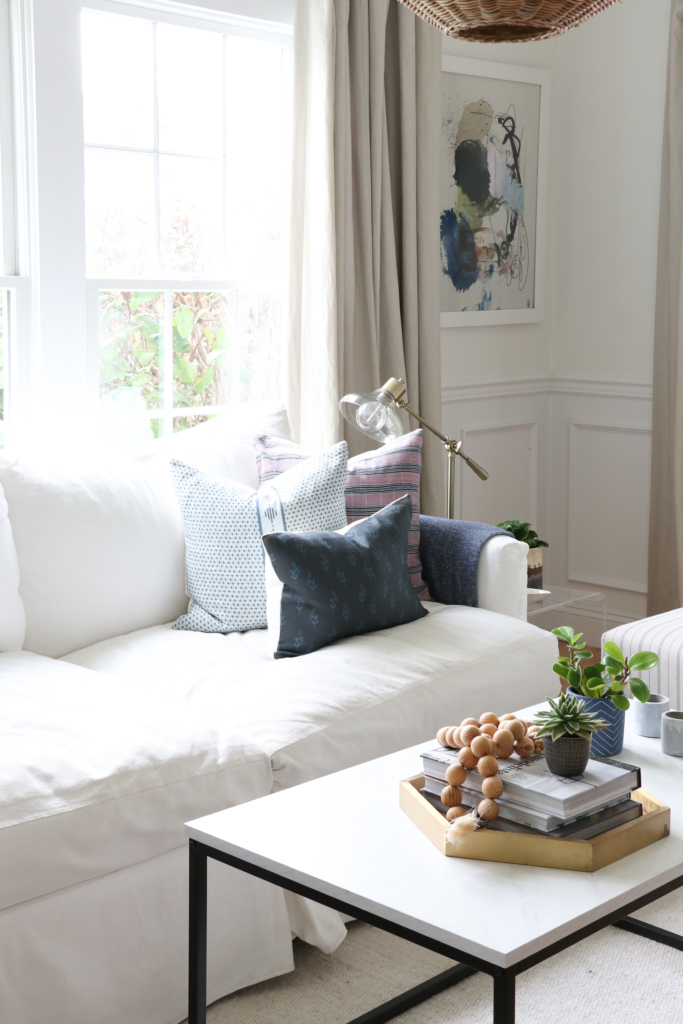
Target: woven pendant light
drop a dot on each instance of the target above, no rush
(505, 21)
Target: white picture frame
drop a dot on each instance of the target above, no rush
(501, 73)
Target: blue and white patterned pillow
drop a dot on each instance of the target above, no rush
(224, 523)
(325, 586)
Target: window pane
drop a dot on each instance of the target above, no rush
(190, 91)
(203, 328)
(191, 215)
(118, 80)
(119, 212)
(255, 156)
(131, 362)
(260, 346)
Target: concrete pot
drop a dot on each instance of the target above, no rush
(672, 733)
(534, 568)
(647, 718)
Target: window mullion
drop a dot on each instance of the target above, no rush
(167, 368)
(157, 211)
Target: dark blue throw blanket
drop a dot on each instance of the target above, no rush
(449, 551)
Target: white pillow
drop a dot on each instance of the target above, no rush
(101, 549)
(12, 615)
(223, 445)
(224, 523)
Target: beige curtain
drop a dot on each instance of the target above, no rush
(665, 582)
(364, 245)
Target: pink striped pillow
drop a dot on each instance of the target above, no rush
(374, 480)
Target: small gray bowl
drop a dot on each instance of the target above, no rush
(672, 733)
(647, 718)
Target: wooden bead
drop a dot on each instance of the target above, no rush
(481, 745)
(532, 730)
(450, 734)
(441, 736)
(468, 733)
(455, 812)
(487, 765)
(492, 787)
(488, 718)
(467, 759)
(488, 810)
(488, 729)
(524, 747)
(495, 750)
(455, 775)
(539, 746)
(451, 796)
(469, 721)
(517, 728)
(507, 718)
(505, 742)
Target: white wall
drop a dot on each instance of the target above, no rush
(560, 412)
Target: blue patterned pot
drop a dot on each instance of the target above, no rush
(610, 741)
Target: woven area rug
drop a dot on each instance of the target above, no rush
(611, 977)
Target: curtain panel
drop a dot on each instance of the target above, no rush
(665, 571)
(364, 242)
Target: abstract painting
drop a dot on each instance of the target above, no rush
(492, 161)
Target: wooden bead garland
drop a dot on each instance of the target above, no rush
(479, 743)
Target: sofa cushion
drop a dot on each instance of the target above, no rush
(357, 699)
(322, 586)
(97, 773)
(224, 523)
(100, 542)
(12, 615)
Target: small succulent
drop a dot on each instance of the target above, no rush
(567, 717)
(608, 678)
(523, 532)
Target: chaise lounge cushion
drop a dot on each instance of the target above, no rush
(357, 699)
(98, 773)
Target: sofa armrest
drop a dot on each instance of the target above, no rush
(474, 564)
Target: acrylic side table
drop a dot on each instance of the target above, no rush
(590, 603)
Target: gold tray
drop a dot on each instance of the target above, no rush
(514, 848)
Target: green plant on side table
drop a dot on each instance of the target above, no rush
(566, 731)
(603, 685)
(534, 558)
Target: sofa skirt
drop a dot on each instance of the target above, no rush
(113, 950)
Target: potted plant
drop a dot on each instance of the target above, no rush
(603, 685)
(534, 558)
(566, 731)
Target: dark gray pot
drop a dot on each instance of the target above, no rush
(567, 756)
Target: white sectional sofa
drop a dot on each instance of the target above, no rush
(115, 729)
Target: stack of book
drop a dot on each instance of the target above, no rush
(538, 803)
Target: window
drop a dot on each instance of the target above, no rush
(186, 138)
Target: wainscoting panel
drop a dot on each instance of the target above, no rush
(509, 452)
(608, 516)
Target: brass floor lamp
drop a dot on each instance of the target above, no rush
(375, 414)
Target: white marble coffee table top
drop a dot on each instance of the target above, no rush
(346, 836)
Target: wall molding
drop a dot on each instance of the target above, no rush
(503, 428)
(555, 384)
(573, 573)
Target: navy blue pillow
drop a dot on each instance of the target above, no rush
(336, 585)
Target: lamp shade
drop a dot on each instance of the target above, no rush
(374, 414)
(505, 21)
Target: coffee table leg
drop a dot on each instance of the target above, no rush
(196, 1008)
(504, 998)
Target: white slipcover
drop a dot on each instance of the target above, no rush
(12, 615)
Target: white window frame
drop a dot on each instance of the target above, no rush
(225, 24)
(54, 359)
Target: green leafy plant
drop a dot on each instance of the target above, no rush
(603, 679)
(567, 717)
(523, 532)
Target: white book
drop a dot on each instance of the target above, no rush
(528, 782)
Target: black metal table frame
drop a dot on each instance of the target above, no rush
(503, 977)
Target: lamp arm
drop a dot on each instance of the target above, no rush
(452, 447)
